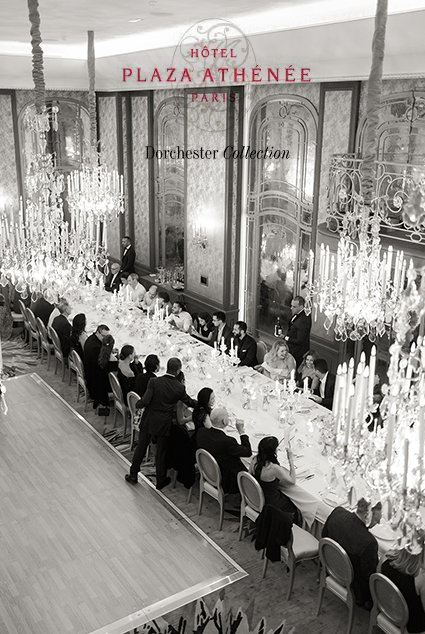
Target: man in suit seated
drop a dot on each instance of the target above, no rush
(225, 449)
(160, 399)
(324, 393)
(298, 335)
(128, 257)
(222, 331)
(113, 279)
(63, 326)
(247, 346)
(351, 531)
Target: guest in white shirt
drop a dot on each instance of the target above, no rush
(136, 290)
(180, 318)
(150, 297)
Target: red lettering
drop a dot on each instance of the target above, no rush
(138, 75)
(171, 72)
(126, 72)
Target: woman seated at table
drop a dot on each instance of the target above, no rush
(78, 334)
(405, 570)
(107, 362)
(151, 367)
(273, 478)
(201, 413)
(202, 327)
(306, 370)
(128, 368)
(278, 363)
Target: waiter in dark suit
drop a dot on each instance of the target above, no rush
(160, 399)
(128, 257)
(42, 308)
(324, 393)
(222, 331)
(225, 449)
(113, 279)
(298, 335)
(63, 327)
(247, 346)
(351, 531)
(91, 356)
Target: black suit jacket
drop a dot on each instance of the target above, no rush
(228, 453)
(42, 308)
(160, 399)
(227, 334)
(142, 381)
(63, 328)
(247, 351)
(299, 336)
(91, 355)
(108, 282)
(360, 545)
(329, 391)
(127, 263)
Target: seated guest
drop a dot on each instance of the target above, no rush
(350, 531)
(278, 363)
(78, 336)
(202, 412)
(113, 279)
(306, 370)
(150, 298)
(405, 569)
(272, 477)
(6, 319)
(247, 346)
(152, 365)
(107, 362)
(324, 392)
(42, 308)
(91, 355)
(222, 332)
(63, 327)
(55, 312)
(225, 449)
(128, 368)
(180, 318)
(203, 327)
(137, 291)
(163, 300)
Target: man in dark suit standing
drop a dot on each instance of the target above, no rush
(298, 335)
(350, 531)
(160, 399)
(128, 257)
(63, 327)
(113, 279)
(91, 355)
(324, 393)
(42, 308)
(225, 449)
(222, 331)
(247, 346)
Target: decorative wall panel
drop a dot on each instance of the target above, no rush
(9, 188)
(140, 127)
(107, 131)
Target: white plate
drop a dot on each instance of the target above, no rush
(383, 531)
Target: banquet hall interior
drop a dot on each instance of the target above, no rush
(253, 168)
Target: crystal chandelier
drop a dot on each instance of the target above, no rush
(95, 194)
(358, 290)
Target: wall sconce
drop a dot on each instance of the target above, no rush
(200, 237)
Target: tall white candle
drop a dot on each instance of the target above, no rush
(349, 416)
(350, 374)
(421, 422)
(406, 462)
(337, 395)
(305, 390)
(372, 366)
(390, 433)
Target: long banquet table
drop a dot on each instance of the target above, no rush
(319, 477)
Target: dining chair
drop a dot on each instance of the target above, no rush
(46, 345)
(210, 481)
(119, 403)
(71, 365)
(34, 334)
(301, 546)
(261, 351)
(132, 398)
(26, 322)
(389, 612)
(337, 576)
(58, 350)
(81, 378)
(252, 499)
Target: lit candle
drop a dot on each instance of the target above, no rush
(231, 343)
(390, 433)
(166, 311)
(337, 395)
(406, 463)
(305, 388)
(350, 374)
(292, 375)
(149, 308)
(349, 416)
(372, 366)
